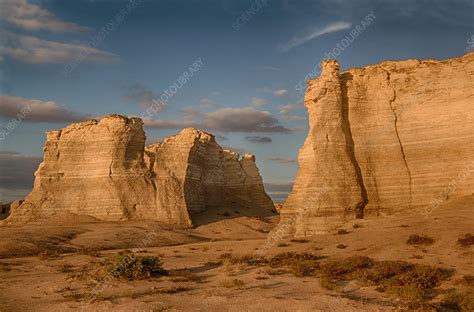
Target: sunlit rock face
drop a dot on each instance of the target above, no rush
(103, 169)
(383, 139)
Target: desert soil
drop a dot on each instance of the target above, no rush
(45, 267)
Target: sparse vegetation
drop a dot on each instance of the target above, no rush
(282, 245)
(457, 301)
(232, 283)
(467, 240)
(66, 268)
(356, 226)
(408, 281)
(416, 239)
(49, 254)
(130, 266)
(329, 284)
(342, 232)
(300, 241)
(341, 246)
(93, 252)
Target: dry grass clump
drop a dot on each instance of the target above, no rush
(66, 268)
(405, 280)
(130, 266)
(281, 259)
(341, 246)
(329, 284)
(49, 254)
(467, 240)
(232, 283)
(457, 301)
(408, 281)
(300, 241)
(416, 239)
(356, 225)
(342, 232)
(282, 245)
(93, 252)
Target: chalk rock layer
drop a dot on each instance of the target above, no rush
(103, 169)
(384, 138)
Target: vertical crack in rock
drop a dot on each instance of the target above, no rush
(395, 117)
(351, 146)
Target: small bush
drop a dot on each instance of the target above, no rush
(356, 226)
(342, 232)
(416, 239)
(130, 266)
(467, 240)
(282, 245)
(341, 246)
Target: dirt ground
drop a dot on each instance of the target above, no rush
(47, 267)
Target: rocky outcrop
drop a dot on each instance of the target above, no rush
(102, 169)
(384, 138)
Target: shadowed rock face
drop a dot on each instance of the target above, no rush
(384, 138)
(102, 169)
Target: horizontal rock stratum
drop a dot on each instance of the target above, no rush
(101, 168)
(383, 139)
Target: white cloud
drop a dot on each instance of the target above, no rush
(286, 110)
(32, 17)
(37, 111)
(206, 103)
(300, 39)
(258, 102)
(280, 93)
(33, 50)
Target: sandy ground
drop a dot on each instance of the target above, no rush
(31, 280)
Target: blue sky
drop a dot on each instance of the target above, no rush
(253, 53)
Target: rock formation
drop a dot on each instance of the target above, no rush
(384, 138)
(102, 169)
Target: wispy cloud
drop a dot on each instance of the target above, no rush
(286, 112)
(282, 160)
(40, 111)
(258, 102)
(300, 39)
(32, 17)
(280, 92)
(240, 119)
(29, 49)
(143, 96)
(259, 139)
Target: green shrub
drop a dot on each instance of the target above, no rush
(130, 266)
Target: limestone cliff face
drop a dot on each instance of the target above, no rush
(102, 169)
(193, 174)
(382, 139)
